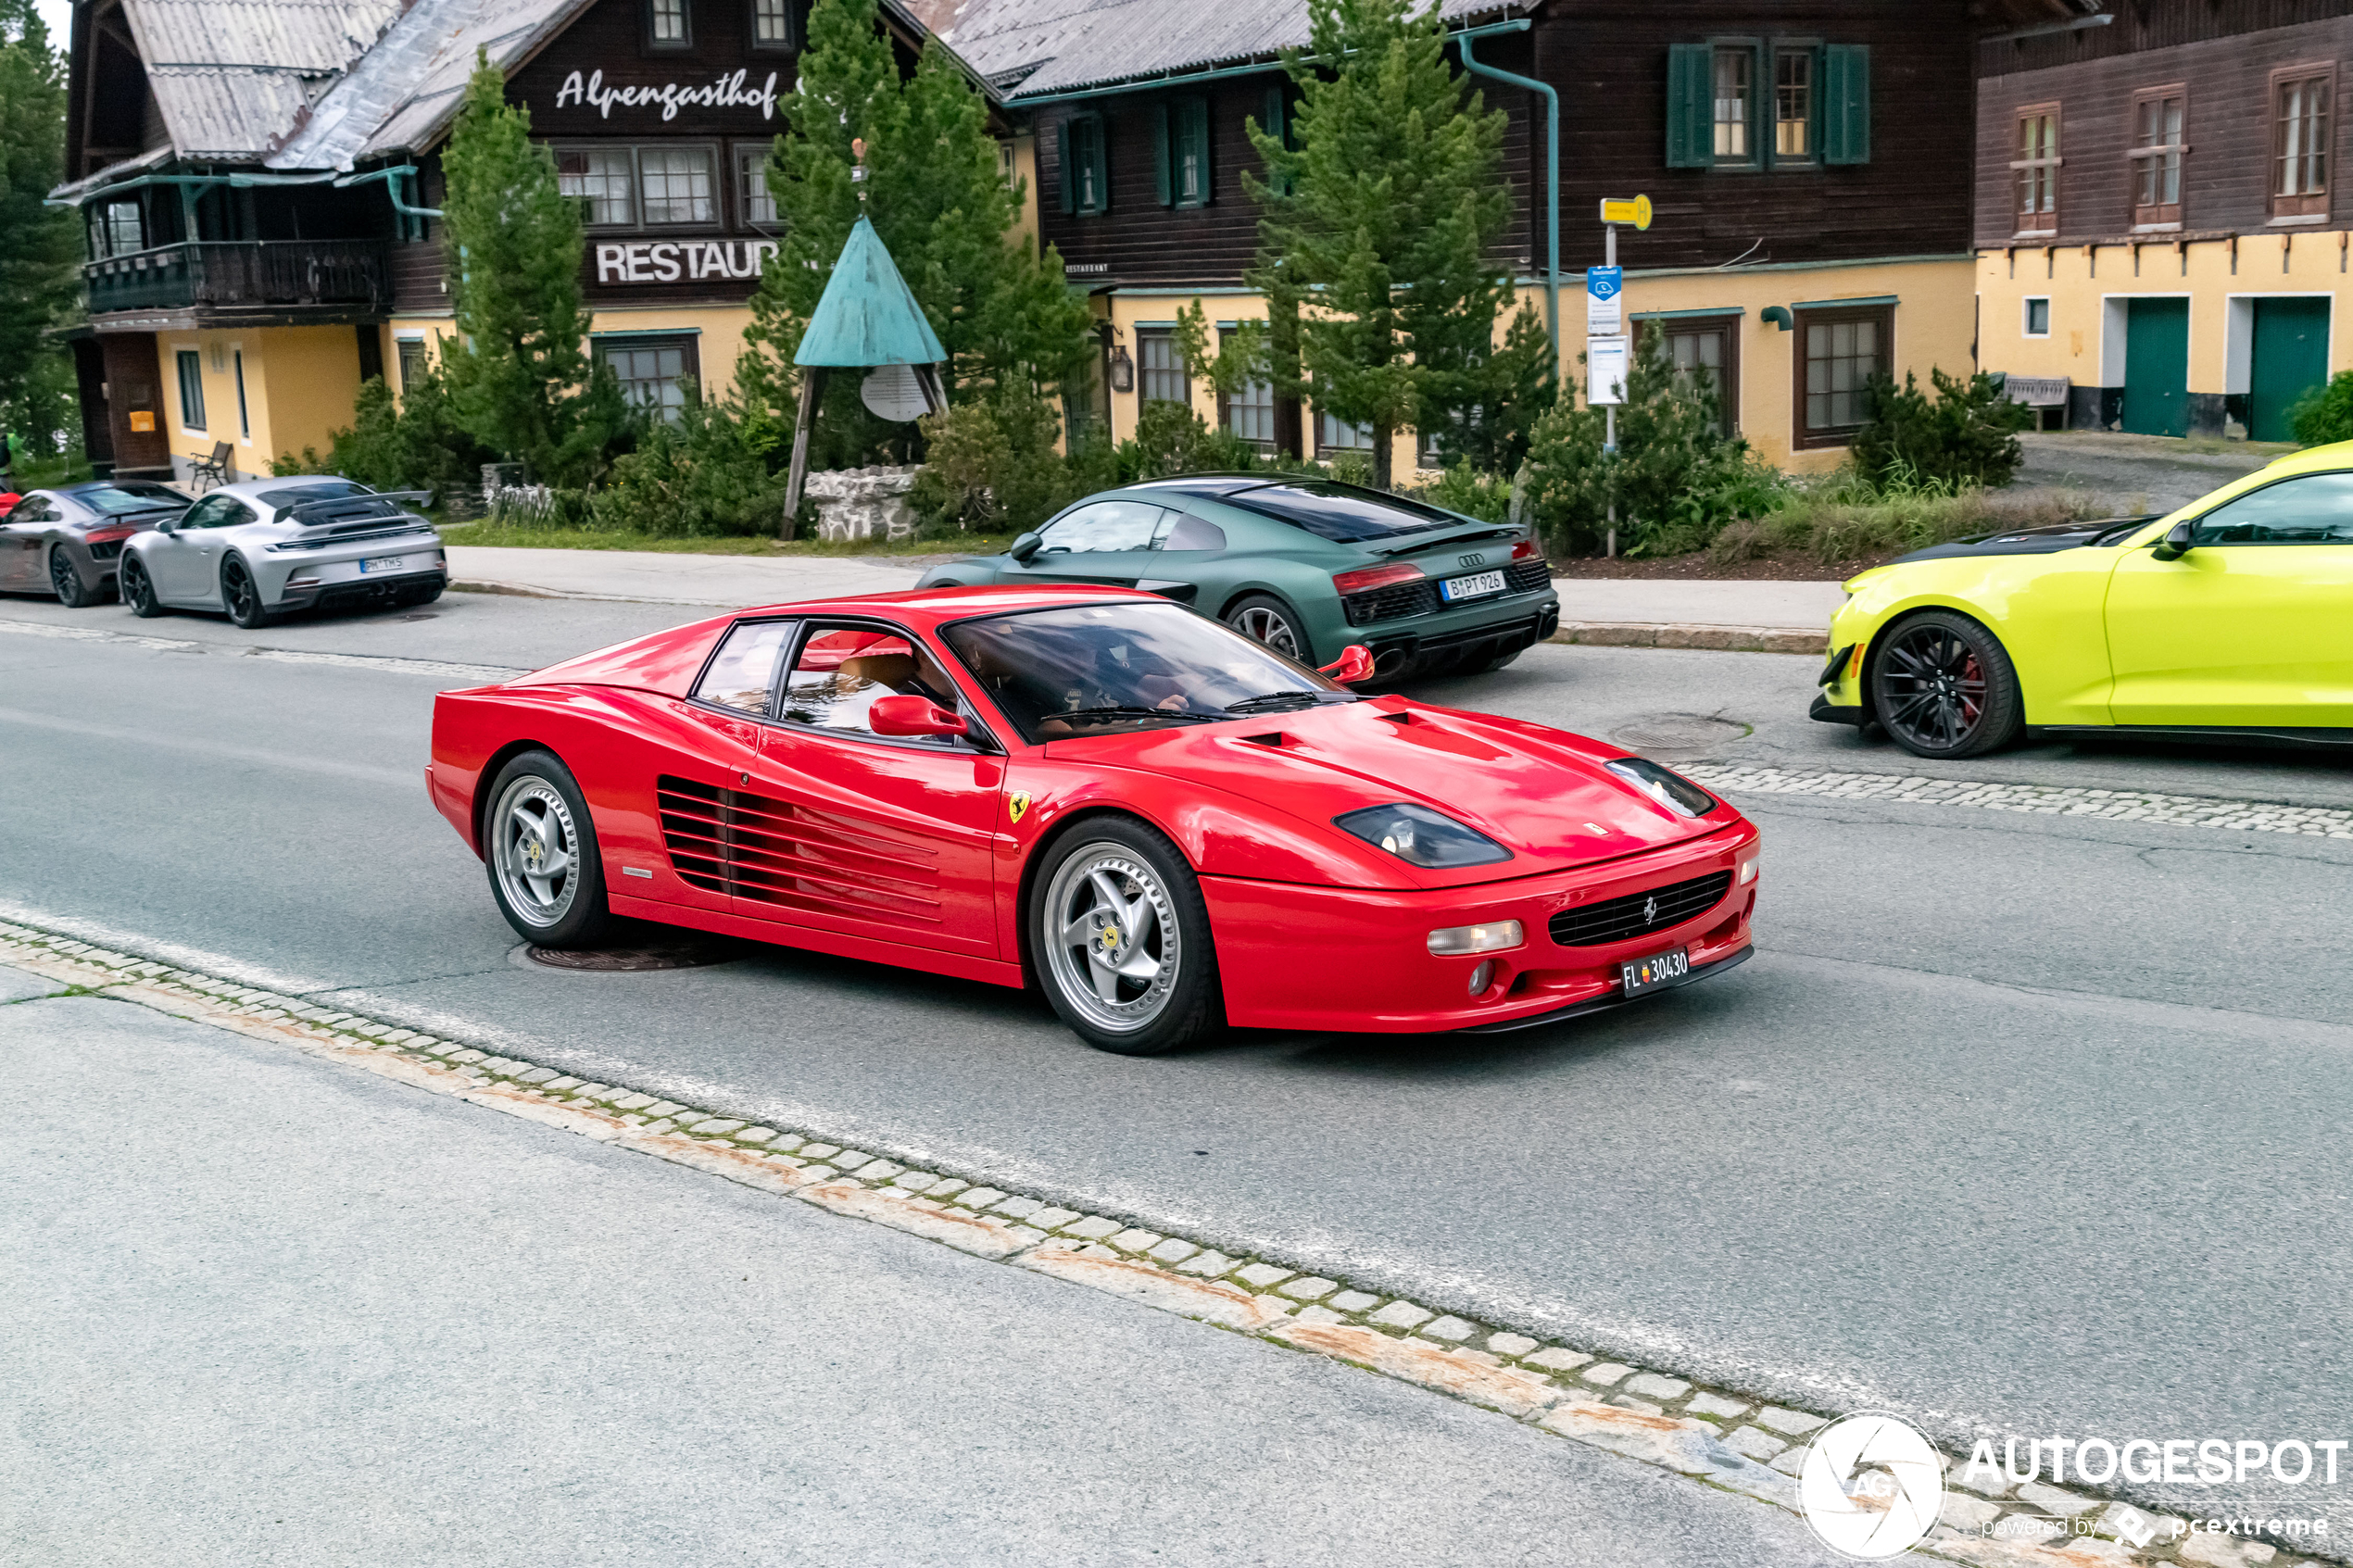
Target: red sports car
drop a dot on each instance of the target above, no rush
(1165, 825)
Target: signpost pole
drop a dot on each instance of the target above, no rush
(1609, 410)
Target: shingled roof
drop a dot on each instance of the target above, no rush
(229, 76)
(1036, 48)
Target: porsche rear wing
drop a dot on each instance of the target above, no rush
(359, 513)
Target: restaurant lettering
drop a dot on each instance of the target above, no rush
(669, 261)
(725, 92)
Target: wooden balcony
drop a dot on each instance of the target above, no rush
(245, 278)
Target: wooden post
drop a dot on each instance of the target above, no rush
(813, 391)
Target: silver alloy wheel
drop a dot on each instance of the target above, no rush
(1114, 944)
(1266, 624)
(533, 846)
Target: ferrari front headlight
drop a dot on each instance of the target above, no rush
(1420, 837)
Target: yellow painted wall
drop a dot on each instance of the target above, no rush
(719, 336)
(2078, 279)
(1025, 171)
(300, 383)
(1934, 324)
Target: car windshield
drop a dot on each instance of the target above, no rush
(1337, 513)
(116, 499)
(1103, 668)
(318, 490)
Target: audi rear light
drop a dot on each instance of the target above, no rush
(106, 535)
(1364, 578)
(1527, 549)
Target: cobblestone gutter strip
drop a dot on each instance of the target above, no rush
(2048, 800)
(1683, 634)
(1712, 1436)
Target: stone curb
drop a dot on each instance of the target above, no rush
(1681, 1428)
(1691, 635)
(2230, 814)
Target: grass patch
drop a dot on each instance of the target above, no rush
(504, 537)
(1835, 524)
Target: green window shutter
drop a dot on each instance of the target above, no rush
(1099, 159)
(1690, 105)
(1271, 120)
(1070, 165)
(1160, 153)
(1846, 102)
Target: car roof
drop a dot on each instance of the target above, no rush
(79, 485)
(928, 609)
(255, 487)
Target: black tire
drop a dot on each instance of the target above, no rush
(1943, 686)
(1265, 619)
(1182, 1003)
(243, 596)
(66, 580)
(136, 590)
(575, 914)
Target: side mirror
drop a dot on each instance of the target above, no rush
(912, 716)
(2175, 544)
(1025, 546)
(1354, 664)
(169, 525)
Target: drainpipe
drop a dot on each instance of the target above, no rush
(1552, 185)
(394, 179)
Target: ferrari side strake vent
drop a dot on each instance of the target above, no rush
(771, 851)
(1636, 914)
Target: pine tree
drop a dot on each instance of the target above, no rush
(518, 371)
(1381, 216)
(39, 280)
(935, 197)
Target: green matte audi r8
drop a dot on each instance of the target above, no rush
(1306, 566)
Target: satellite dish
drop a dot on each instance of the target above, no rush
(891, 392)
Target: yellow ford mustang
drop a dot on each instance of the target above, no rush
(2232, 617)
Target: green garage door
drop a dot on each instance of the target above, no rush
(2291, 359)
(2156, 366)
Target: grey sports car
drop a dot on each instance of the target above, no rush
(267, 547)
(69, 541)
(1304, 565)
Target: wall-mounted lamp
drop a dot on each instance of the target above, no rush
(1123, 370)
(1777, 316)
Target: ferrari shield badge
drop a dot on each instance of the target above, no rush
(1017, 804)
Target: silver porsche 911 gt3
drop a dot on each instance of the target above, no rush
(67, 541)
(266, 548)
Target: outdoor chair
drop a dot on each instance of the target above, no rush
(215, 467)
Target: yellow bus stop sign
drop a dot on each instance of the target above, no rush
(1637, 213)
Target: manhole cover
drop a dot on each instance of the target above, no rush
(627, 961)
(1689, 735)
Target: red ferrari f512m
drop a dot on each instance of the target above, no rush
(1166, 826)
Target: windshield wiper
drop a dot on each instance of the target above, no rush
(1191, 713)
(1268, 702)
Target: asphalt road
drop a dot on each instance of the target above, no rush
(352, 1324)
(2025, 1122)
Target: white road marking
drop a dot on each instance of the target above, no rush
(388, 663)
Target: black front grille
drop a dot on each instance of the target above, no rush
(1636, 914)
(107, 551)
(1416, 597)
(1527, 576)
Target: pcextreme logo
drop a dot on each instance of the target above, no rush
(1872, 1486)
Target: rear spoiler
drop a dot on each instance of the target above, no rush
(370, 507)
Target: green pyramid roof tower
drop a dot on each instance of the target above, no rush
(866, 314)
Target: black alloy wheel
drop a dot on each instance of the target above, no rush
(66, 580)
(138, 592)
(243, 596)
(1941, 685)
(1265, 619)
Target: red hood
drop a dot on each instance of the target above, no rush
(1541, 793)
